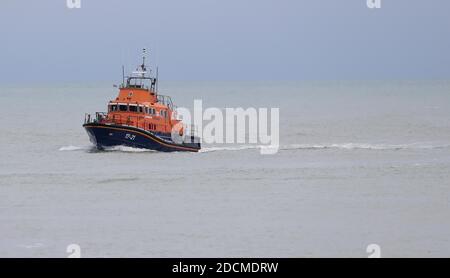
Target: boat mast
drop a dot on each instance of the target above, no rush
(156, 80)
(123, 76)
(143, 61)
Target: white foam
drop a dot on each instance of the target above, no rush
(113, 149)
(341, 146)
(74, 148)
(229, 148)
(127, 149)
(365, 146)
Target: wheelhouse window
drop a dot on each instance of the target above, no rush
(123, 108)
(133, 108)
(113, 108)
(141, 109)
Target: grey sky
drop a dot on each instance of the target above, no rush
(43, 41)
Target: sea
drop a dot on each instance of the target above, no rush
(360, 164)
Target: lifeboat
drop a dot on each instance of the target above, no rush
(140, 117)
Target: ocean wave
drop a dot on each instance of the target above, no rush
(341, 146)
(229, 148)
(364, 146)
(33, 245)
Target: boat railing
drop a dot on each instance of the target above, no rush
(165, 100)
(100, 117)
(175, 115)
(192, 130)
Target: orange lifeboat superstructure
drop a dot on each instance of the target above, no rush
(140, 117)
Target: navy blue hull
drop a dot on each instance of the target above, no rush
(113, 135)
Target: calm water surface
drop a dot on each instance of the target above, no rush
(360, 163)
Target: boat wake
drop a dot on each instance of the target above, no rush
(343, 146)
(127, 149)
(92, 148)
(364, 146)
(75, 148)
(235, 148)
